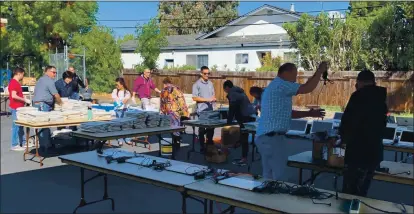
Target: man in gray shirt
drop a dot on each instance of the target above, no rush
(45, 95)
(203, 94)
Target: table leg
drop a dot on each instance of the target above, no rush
(184, 203)
(205, 206)
(27, 143)
(193, 147)
(402, 156)
(105, 197)
(211, 206)
(395, 156)
(300, 176)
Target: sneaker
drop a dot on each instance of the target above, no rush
(31, 145)
(17, 148)
(240, 162)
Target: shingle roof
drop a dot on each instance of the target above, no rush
(190, 42)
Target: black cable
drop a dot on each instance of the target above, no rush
(225, 17)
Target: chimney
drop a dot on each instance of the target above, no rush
(292, 7)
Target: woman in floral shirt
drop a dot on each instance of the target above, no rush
(173, 104)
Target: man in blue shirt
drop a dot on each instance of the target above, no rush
(64, 86)
(276, 114)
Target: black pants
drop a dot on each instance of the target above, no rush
(202, 140)
(244, 137)
(357, 180)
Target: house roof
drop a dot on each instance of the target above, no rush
(240, 18)
(178, 42)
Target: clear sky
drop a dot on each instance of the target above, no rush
(147, 10)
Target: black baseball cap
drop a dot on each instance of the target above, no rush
(366, 75)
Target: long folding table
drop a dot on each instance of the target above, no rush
(399, 172)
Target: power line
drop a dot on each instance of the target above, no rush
(215, 27)
(226, 17)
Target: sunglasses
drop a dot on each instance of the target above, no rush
(206, 73)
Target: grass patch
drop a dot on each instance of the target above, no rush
(332, 108)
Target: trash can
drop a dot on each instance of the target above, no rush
(166, 147)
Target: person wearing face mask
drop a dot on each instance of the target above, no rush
(143, 85)
(64, 86)
(362, 126)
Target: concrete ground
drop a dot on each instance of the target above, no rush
(55, 188)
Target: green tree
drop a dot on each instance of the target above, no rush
(125, 38)
(35, 28)
(269, 63)
(186, 17)
(151, 38)
(103, 57)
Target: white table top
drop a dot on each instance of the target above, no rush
(284, 202)
(91, 160)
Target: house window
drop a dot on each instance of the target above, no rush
(242, 58)
(197, 60)
(169, 63)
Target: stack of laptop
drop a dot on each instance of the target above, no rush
(321, 126)
(405, 121)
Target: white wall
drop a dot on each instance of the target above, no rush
(224, 59)
(130, 59)
(263, 29)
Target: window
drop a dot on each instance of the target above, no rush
(169, 63)
(242, 58)
(197, 60)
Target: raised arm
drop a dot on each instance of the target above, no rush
(312, 82)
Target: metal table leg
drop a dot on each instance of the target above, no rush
(194, 142)
(105, 197)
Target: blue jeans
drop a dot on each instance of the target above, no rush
(18, 136)
(74, 96)
(44, 136)
(120, 114)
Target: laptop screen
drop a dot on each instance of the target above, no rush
(389, 133)
(407, 136)
(321, 126)
(25, 89)
(338, 115)
(298, 125)
(405, 121)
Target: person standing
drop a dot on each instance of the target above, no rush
(173, 104)
(121, 96)
(45, 95)
(64, 86)
(143, 85)
(256, 92)
(76, 82)
(276, 114)
(17, 100)
(242, 110)
(362, 129)
(205, 98)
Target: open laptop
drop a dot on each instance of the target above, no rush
(405, 121)
(297, 127)
(338, 115)
(321, 126)
(389, 135)
(390, 119)
(407, 136)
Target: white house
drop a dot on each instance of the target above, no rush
(239, 45)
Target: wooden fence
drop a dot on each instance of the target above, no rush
(399, 86)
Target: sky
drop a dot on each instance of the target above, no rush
(129, 12)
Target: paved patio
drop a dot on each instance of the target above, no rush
(55, 187)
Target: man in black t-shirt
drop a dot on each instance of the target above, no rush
(76, 82)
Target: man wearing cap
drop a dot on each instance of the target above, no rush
(361, 130)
